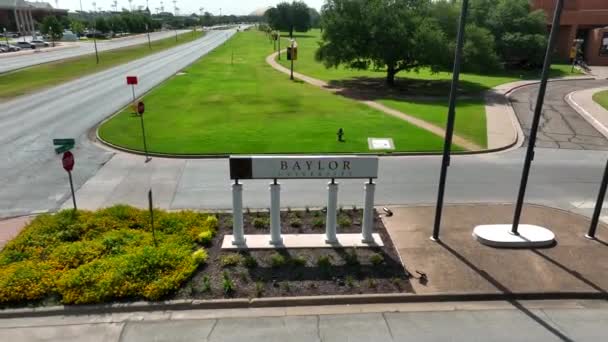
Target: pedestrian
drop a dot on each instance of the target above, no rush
(340, 135)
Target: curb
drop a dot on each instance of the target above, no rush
(180, 305)
(600, 127)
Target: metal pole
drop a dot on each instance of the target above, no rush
(95, 40)
(72, 188)
(279, 42)
(176, 35)
(143, 134)
(537, 112)
(149, 43)
(447, 146)
(151, 207)
(133, 92)
(291, 77)
(598, 205)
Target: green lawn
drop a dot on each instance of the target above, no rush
(247, 107)
(601, 98)
(33, 79)
(470, 113)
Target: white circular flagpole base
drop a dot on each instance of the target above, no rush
(499, 235)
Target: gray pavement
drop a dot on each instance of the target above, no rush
(31, 177)
(9, 63)
(560, 126)
(469, 321)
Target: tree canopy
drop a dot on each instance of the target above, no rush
(411, 34)
(53, 27)
(290, 17)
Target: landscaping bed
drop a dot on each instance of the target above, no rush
(113, 255)
(298, 272)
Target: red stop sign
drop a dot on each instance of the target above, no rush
(68, 161)
(141, 108)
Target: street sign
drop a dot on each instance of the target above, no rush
(63, 145)
(131, 80)
(68, 161)
(141, 108)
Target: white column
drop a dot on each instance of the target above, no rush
(237, 214)
(332, 203)
(275, 214)
(18, 21)
(29, 13)
(368, 212)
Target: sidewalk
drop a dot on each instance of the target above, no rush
(460, 264)
(10, 228)
(596, 115)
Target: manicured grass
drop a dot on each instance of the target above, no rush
(29, 80)
(107, 255)
(469, 123)
(470, 117)
(247, 107)
(601, 98)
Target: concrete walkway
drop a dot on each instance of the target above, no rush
(460, 141)
(582, 101)
(460, 264)
(10, 228)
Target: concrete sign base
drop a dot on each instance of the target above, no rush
(499, 235)
(261, 241)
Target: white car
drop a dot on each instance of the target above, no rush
(9, 47)
(40, 43)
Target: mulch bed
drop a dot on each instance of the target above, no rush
(345, 275)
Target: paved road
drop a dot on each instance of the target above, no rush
(560, 125)
(17, 62)
(473, 321)
(30, 174)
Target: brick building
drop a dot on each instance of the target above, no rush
(586, 20)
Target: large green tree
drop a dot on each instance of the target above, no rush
(52, 26)
(382, 34)
(290, 17)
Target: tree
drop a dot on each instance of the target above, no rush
(520, 33)
(290, 17)
(77, 27)
(382, 34)
(52, 27)
(101, 25)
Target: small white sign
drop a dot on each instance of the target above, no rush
(381, 144)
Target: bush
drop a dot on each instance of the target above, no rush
(350, 281)
(206, 284)
(92, 257)
(277, 260)
(260, 223)
(350, 258)
(227, 285)
(324, 261)
(250, 262)
(205, 238)
(295, 222)
(344, 221)
(259, 289)
(376, 259)
(318, 222)
(298, 261)
(231, 260)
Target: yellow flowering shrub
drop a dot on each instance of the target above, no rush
(93, 257)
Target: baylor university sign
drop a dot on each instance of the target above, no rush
(303, 167)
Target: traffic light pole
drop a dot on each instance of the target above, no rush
(447, 146)
(536, 119)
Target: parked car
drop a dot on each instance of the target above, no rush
(40, 43)
(9, 47)
(2, 49)
(25, 45)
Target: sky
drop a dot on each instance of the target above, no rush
(237, 7)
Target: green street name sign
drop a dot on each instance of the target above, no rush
(63, 145)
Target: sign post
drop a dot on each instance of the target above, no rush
(148, 31)
(141, 108)
(68, 166)
(151, 208)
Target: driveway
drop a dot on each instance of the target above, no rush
(560, 125)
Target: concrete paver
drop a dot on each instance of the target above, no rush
(10, 228)
(108, 332)
(459, 264)
(160, 331)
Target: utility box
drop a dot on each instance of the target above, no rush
(292, 52)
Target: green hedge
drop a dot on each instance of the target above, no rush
(95, 257)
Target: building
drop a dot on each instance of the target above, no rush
(22, 16)
(583, 20)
